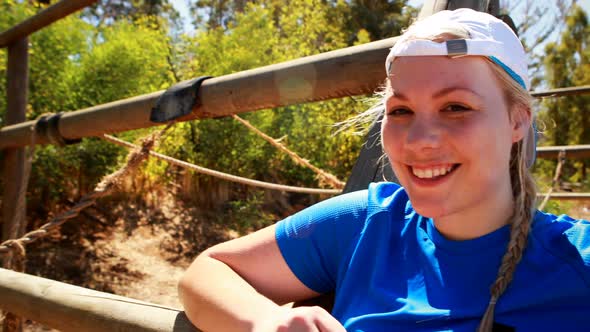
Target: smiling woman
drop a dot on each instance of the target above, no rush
(458, 246)
(463, 107)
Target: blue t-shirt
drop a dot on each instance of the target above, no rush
(392, 271)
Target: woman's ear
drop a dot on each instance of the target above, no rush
(520, 121)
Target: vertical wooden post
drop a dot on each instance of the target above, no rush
(14, 170)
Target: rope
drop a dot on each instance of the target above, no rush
(561, 161)
(11, 323)
(105, 187)
(324, 176)
(226, 176)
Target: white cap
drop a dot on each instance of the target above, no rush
(488, 36)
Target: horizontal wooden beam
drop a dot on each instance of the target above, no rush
(72, 308)
(571, 151)
(44, 18)
(346, 72)
(567, 196)
(562, 92)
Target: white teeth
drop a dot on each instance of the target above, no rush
(431, 172)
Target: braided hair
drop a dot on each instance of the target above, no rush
(524, 193)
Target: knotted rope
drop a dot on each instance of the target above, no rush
(105, 187)
(225, 176)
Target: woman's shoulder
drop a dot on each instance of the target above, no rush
(354, 208)
(566, 238)
(552, 227)
(316, 240)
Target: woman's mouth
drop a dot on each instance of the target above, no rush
(433, 172)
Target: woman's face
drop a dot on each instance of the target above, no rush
(447, 133)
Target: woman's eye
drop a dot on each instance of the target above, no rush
(399, 111)
(456, 108)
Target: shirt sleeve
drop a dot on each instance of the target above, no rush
(567, 239)
(579, 237)
(314, 242)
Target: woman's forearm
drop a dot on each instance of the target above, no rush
(215, 298)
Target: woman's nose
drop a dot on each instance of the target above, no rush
(424, 135)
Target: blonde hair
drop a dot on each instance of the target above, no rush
(524, 192)
(523, 186)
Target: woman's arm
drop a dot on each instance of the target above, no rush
(239, 285)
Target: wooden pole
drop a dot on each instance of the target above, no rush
(72, 308)
(560, 92)
(571, 151)
(346, 72)
(341, 73)
(15, 176)
(44, 18)
(14, 158)
(566, 196)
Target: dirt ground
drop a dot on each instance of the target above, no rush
(131, 250)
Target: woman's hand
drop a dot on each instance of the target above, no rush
(300, 319)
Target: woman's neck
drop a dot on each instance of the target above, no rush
(490, 214)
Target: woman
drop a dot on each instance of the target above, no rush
(459, 246)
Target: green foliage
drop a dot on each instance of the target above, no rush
(281, 33)
(52, 60)
(12, 13)
(129, 60)
(567, 64)
(61, 173)
(110, 11)
(216, 13)
(381, 19)
(218, 52)
(245, 215)
(558, 207)
(74, 65)
(120, 49)
(54, 55)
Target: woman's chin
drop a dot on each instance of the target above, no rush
(430, 209)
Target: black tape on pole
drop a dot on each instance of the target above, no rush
(48, 126)
(177, 101)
